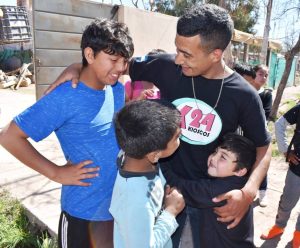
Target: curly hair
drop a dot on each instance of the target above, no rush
(109, 36)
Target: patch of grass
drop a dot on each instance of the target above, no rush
(15, 228)
(275, 152)
(286, 105)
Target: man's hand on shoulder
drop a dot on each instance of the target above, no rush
(238, 202)
(72, 72)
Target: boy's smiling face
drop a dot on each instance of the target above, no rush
(109, 68)
(103, 68)
(222, 163)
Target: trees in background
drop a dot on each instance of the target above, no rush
(289, 57)
(267, 28)
(243, 13)
(289, 15)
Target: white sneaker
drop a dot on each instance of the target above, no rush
(263, 199)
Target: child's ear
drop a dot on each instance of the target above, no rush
(89, 55)
(241, 172)
(153, 157)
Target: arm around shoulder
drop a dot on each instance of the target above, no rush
(72, 72)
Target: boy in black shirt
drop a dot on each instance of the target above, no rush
(228, 168)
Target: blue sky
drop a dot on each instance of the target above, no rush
(279, 27)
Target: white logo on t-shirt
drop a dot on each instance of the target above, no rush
(200, 123)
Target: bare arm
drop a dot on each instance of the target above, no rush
(72, 72)
(259, 171)
(15, 141)
(239, 201)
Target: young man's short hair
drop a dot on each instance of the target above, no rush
(244, 70)
(242, 147)
(109, 36)
(212, 23)
(146, 126)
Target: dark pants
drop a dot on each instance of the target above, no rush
(78, 233)
(189, 218)
(264, 184)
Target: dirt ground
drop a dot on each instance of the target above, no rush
(265, 217)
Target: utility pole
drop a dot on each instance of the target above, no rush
(264, 47)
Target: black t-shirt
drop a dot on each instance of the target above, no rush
(291, 117)
(239, 105)
(202, 126)
(267, 100)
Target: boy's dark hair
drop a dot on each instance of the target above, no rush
(259, 67)
(146, 126)
(109, 36)
(244, 70)
(243, 148)
(212, 23)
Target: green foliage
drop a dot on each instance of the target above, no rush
(174, 8)
(244, 13)
(286, 105)
(46, 242)
(15, 228)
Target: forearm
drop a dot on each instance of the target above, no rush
(164, 227)
(280, 133)
(196, 194)
(15, 142)
(259, 171)
(76, 66)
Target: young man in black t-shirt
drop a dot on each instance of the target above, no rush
(213, 100)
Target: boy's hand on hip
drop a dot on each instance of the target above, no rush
(236, 207)
(174, 202)
(70, 174)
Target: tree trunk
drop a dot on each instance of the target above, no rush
(264, 47)
(289, 61)
(245, 54)
(228, 58)
(222, 4)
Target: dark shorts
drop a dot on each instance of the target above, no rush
(78, 233)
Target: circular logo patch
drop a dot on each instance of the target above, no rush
(200, 123)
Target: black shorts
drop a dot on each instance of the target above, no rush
(79, 233)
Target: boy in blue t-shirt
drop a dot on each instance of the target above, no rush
(82, 121)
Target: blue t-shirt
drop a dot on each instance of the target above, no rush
(82, 121)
